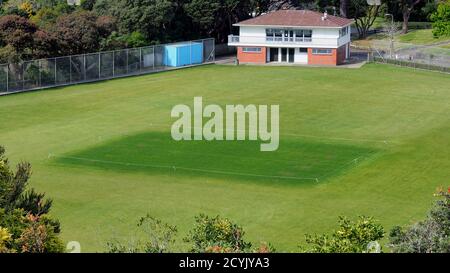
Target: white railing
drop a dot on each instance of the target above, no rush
(234, 40)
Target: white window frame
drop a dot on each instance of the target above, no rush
(315, 51)
(254, 50)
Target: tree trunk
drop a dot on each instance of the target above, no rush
(343, 8)
(406, 14)
(407, 9)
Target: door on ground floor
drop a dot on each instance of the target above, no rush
(291, 53)
(274, 54)
(284, 55)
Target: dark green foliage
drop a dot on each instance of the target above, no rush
(117, 41)
(14, 220)
(12, 189)
(34, 203)
(441, 19)
(23, 214)
(364, 15)
(150, 17)
(87, 4)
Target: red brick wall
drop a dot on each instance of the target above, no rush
(252, 57)
(322, 59)
(336, 57)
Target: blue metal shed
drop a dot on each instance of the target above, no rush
(177, 55)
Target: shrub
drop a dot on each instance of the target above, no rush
(429, 236)
(441, 19)
(216, 234)
(23, 214)
(159, 238)
(350, 237)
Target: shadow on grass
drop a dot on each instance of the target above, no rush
(296, 162)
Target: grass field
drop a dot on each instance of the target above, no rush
(370, 141)
(421, 37)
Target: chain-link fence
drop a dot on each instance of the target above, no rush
(434, 56)
(51, 72)
(409, 63)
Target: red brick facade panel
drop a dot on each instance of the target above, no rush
(322, 59)
(252, 57)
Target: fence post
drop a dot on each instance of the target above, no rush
(113, 64)
(70, 69)
(154, 57)
(84, 66)
(7, 77)
(55, 71)
(140, 59)
(214, 49)
(128, 52)
(40, 74)
(99, 65)
(23, 77)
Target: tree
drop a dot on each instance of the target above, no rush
(150, 17)
(216, 18)
(364, 15)
(351, 237)
(391, 27)
(204, 14)
(260, 6)
(407, 6)
(45, 17)
(17, 31)
(441, 19)
(27, 7)
(81, 32)
(45, 45)
(87, 4)
(159, 238)
(5, 237)
(216, 234)
(343, 8)
(13, 194)
(429, 236)
(295, 4)
(21, 39)
(24, 222)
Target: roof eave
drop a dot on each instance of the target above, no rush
(248, 25)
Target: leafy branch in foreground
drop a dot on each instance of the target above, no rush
(429, 236)
(209, 235)
(351, 237)
(216, 234)
(159, 238)
(24, 222)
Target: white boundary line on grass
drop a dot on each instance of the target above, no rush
(291, 134)
(182, 168)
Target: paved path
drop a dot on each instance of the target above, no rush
(357, 61)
